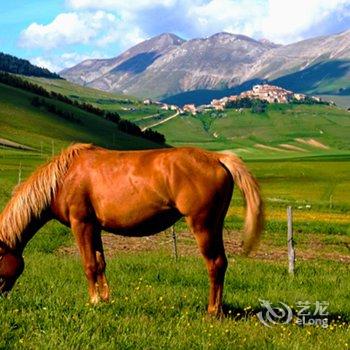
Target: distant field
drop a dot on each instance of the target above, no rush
(284, 131)
(278, 133)
(128, 107)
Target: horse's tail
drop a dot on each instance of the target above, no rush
(254, 220)
(35, 194)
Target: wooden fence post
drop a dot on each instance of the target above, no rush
(290, 242)
(173, 234)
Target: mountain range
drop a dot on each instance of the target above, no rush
(171, 68)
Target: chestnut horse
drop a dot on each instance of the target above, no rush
(131, 193)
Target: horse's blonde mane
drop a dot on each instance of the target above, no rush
(35, 194)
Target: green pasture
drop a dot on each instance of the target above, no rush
(37, 128)
(158, 302)
(241, 130)
(127, 107)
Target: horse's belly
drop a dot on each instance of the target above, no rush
(139, 221)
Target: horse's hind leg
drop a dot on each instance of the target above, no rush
(84, 235)
(101, 267)
(211, 246)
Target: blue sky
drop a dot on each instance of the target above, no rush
(60, 33)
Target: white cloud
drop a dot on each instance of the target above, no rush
(120, 24)
(279, 20)
(239, 17)
(67, 29)
(124, 36)
(55, 63)
(119, 5)
(282, 21)
(287, 21)
(44, 63)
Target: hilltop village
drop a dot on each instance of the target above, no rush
(262, 92)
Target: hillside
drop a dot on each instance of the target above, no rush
(126, 106)
(167, 65)
(283, 131)
(231, 130)
(37, 128)
(12, 64)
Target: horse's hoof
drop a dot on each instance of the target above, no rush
(94, 300)
(216, 312)
(105, 298)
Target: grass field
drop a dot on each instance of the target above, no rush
(284, 131)
(128, 107)
(158, 302)
(31, 126)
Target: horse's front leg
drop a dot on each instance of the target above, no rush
(84, 235)
(101, 267)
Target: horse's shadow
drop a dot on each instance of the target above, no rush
(238, 313)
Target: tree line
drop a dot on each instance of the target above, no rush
(113, 117)
(52, 108)
(12, 64)
(310, 101)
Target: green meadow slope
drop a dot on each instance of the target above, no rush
(283, 131)
(37, 128)
(127, 107)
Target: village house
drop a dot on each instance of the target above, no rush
(271, 93)
(218, 105)
(299, 97)
(204, 108)
(266, 92)
(190, 108)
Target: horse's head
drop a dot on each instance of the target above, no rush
(11, 267)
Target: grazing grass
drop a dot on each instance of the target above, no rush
(158, 302)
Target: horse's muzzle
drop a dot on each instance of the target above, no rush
(5, 286)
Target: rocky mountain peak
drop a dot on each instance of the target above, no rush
(167, 64)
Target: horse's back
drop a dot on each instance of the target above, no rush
(132, 190)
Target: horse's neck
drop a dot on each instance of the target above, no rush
(25, 234)
(32, 228)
